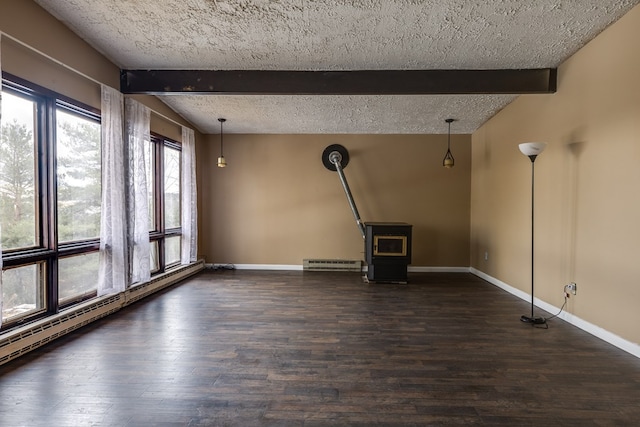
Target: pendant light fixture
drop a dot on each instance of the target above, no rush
(448, 160)
(221, 161)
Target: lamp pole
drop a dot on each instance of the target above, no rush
(531, 150)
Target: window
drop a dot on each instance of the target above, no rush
(171, 187)
(172, 250)
(78, 170)
(166, 202)
(149, 161)
(50, 227)
(18, 172)
(79, 180)
(22, 291)
(77, 277)
(50, 201)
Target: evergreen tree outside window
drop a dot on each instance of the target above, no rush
(18, 196)
(79, 199)
(78, 170)
(22, 289)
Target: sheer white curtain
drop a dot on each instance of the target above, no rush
(137, 118)
(112, 275)
(189, 249)
(1, 224)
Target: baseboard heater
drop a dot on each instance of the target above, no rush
(331, 265)
(22, 340)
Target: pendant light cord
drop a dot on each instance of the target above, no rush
(221, 137)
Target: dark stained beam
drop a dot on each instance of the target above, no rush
(361, 82)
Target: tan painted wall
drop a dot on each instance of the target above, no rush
(39, 48)
(27, 23)
(276, 203)
(587, 199)
(29, 65)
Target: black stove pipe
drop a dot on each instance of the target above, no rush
(347, 191)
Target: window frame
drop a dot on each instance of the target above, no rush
(41, 188)
(160, 233)
(47, 251)
(74, 247)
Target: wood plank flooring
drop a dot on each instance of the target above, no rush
(241, 348)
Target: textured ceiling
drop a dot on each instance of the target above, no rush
(337, 35)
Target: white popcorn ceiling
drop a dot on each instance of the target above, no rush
(337, 35)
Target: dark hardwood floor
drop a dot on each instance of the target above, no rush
(243, 348)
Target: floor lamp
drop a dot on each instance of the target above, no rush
(532, 150)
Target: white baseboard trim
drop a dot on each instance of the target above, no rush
(286, 267)
(597, 331)
(281, 267)
(438, 269)
(296, 267)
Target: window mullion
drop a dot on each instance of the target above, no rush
(49, 203)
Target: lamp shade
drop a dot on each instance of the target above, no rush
(532, 148)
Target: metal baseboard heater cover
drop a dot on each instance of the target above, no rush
(332, 265)
(17, 342)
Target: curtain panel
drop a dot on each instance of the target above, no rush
(1, 294)
(137, 123)
(112, 276)
(189, 245)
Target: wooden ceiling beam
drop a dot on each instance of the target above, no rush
(359, 82)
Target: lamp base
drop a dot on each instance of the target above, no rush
(533, 320)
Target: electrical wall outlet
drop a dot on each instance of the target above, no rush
(572, 287)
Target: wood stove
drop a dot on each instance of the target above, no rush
(387, 251)
(387, 244)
